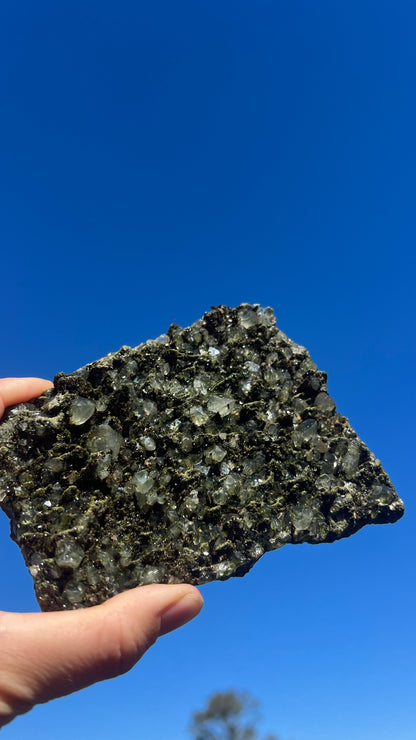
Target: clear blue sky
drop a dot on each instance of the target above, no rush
(159, 158)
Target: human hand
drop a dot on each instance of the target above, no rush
(44, 656)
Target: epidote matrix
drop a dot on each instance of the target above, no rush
(183, 459)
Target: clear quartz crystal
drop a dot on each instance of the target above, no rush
(68, 554)
(104, 438)
(200, 384)
(302, 517)
(81, 410)
(74, 592)
(223, 569)
(152, 575)
(215, 454)
(213, 351)
(221, 405)
(272, 376)
(142, 481)
(149, 407)
(220, 496)
(251, 367)
(351, 459)
(248, 318)
(305, 432)
(148, 443)
(197, 415)
(232, 482)
(324, 402)
(102, 466)
(54, 465)
(325, 482)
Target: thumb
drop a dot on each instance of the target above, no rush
(16, 390)
(43, 656)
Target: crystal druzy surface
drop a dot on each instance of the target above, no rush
(183, 459)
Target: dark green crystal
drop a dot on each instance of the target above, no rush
(183, 459)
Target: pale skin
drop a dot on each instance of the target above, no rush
(44, 656)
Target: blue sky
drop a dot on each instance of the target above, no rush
(157, 159)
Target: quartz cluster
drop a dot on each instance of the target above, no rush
(183, 459)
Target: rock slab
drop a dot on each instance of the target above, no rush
(183, 459)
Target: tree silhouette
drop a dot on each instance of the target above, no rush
(228, 715)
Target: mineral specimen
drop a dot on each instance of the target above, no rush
(183, 459)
